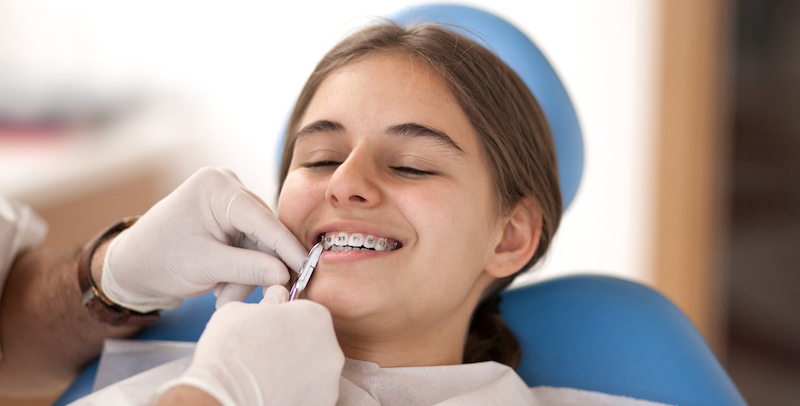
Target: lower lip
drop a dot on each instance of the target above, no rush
(354, 255)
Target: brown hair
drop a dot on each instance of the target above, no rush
(512, 132)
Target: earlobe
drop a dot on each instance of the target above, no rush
(521, 231)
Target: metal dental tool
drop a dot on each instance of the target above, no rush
(304, 275)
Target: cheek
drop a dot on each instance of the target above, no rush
(455, 244)
(455, 226)
(296, 202)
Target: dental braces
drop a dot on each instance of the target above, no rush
(356, 241)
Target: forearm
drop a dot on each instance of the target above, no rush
(47, 334)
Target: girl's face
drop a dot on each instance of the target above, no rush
(385, 150)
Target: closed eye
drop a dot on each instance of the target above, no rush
(321, 164)
(413, 172)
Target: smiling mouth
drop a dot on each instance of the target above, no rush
(342, 241)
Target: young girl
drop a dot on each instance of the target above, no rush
(428, 140)
(426, 167)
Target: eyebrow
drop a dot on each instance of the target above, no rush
(419, 130)
(400, 130)
(321, 126)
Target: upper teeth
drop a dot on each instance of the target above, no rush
(344, 242)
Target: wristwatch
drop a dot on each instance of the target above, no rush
(100, 306)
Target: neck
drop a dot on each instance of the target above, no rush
(400, 340)
(409, 348)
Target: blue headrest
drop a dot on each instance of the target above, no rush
(519, 53)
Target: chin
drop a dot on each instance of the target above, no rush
(339, 301)
(348, 302)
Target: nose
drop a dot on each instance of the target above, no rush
(354, 182)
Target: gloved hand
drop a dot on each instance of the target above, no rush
(271, 353)
(209, 230)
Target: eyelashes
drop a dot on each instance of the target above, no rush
(321, 164)
(406, 171)
(413, 172)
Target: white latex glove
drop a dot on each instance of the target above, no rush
(210, 230)
(271, 353)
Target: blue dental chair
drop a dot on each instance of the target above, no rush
(588, 332)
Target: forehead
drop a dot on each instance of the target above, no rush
(387, 89)
(388, 72)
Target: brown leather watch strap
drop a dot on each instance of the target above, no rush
(99, 306)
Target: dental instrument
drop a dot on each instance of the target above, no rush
(304, 274)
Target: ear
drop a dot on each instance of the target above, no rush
(520, 237)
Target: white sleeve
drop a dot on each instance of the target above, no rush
(20, 228)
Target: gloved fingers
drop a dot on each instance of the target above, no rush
(218, 288)
(232, 292)
(247, 267)
(229, 173)
(255, 221)
(246, 213)
(275, 294)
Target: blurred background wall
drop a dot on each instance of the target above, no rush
(686, 107)
(764, 253)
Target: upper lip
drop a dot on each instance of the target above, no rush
(350, 227)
